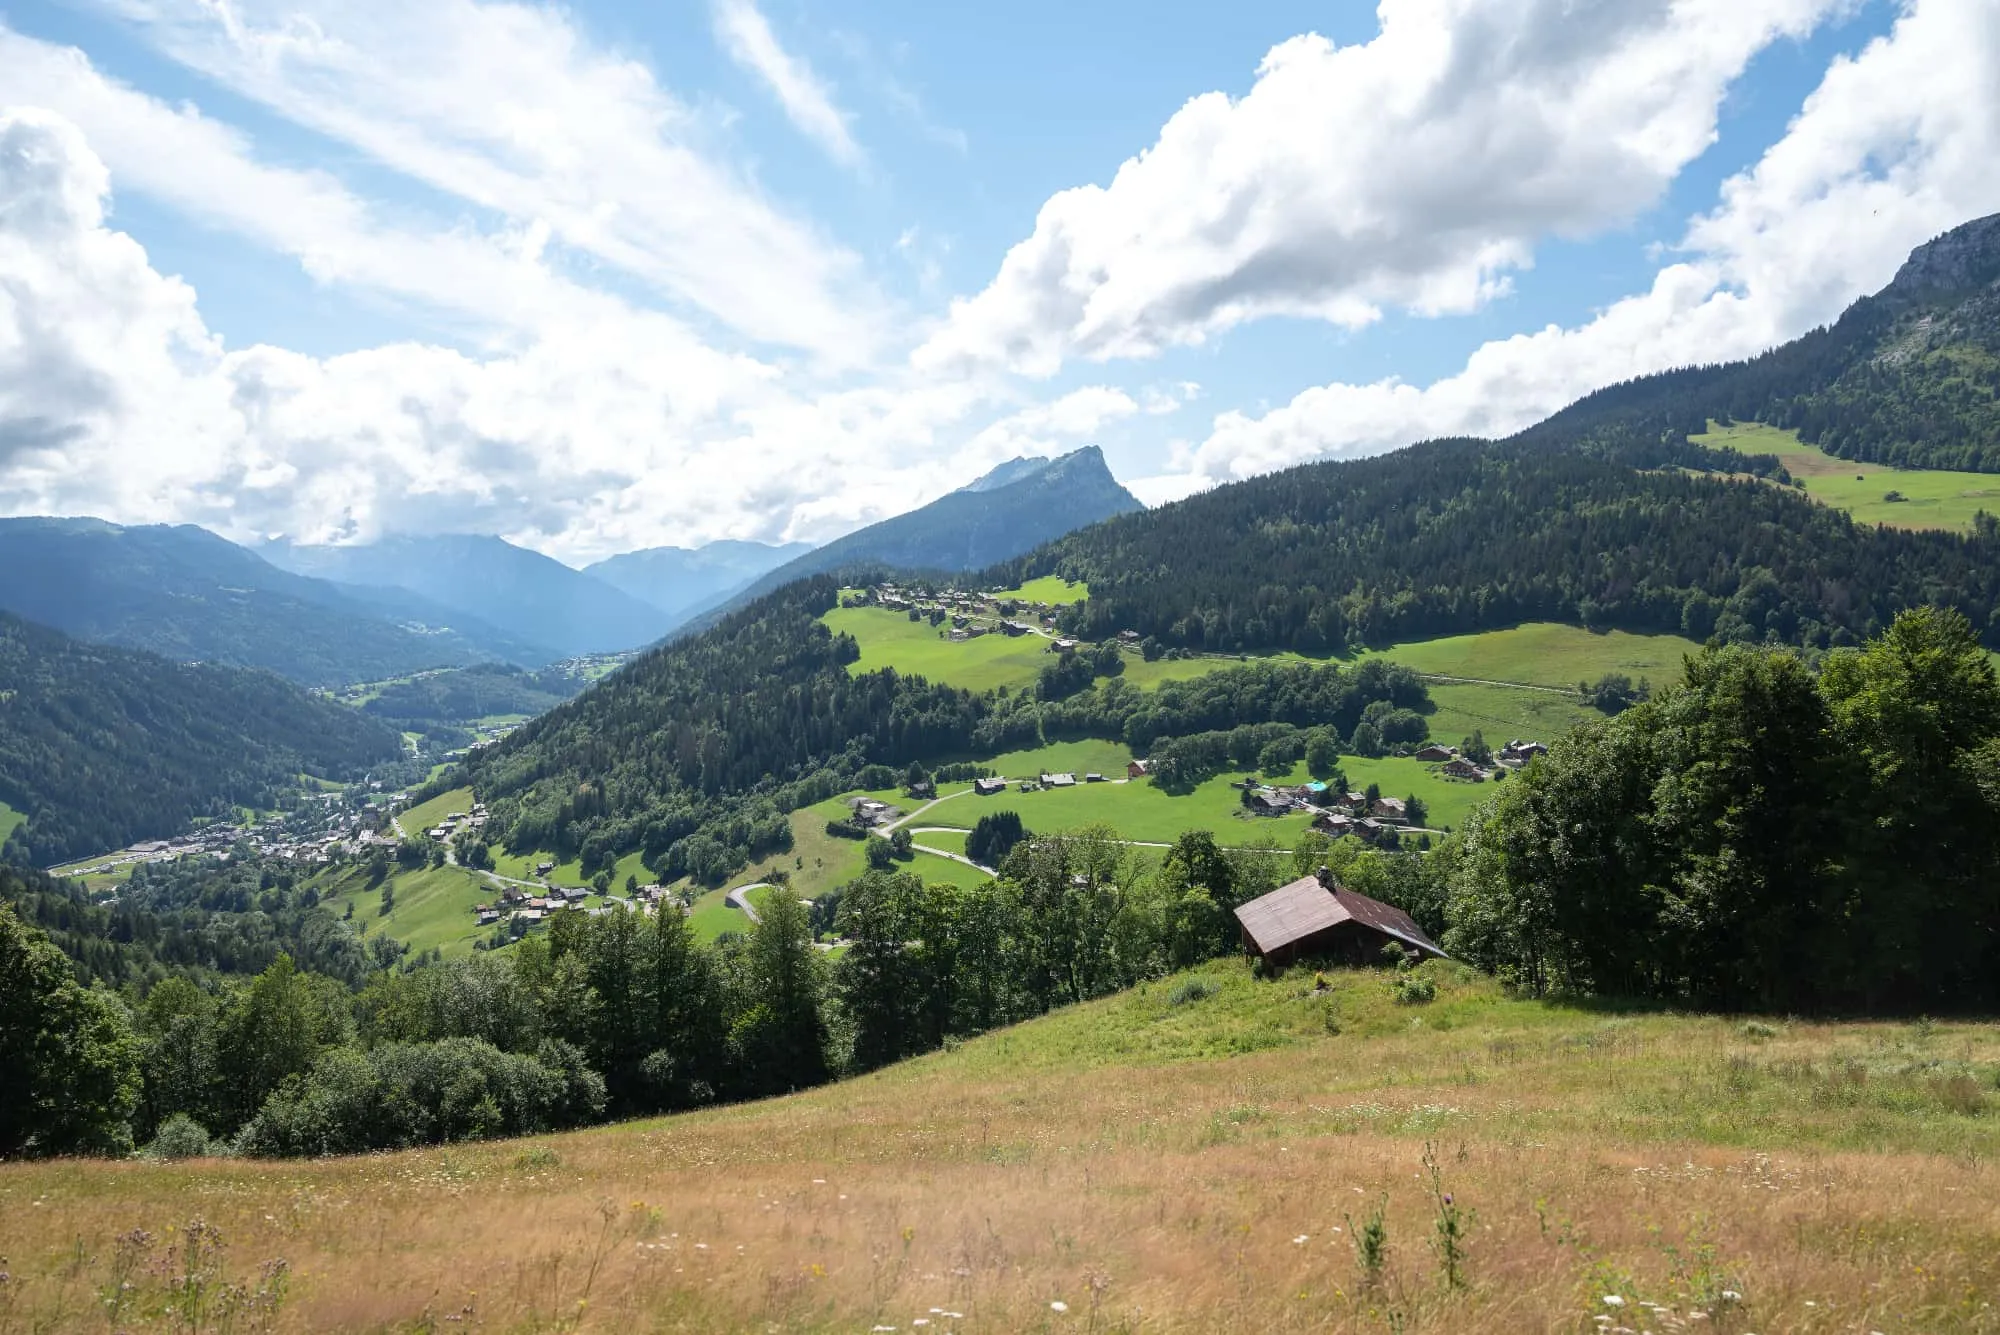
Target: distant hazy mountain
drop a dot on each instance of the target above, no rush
(100, 745)
(1013, 509)
(185, 593)
(682, 580)
(539, 597)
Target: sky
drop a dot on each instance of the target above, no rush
(608, 275)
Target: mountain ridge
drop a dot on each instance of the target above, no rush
(483, 576)
(1008, 510)
(189, 594)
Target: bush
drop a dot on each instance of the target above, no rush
(1414, 989)
(1194, 989)
(180, 1137)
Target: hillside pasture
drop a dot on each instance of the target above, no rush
(431, 909)
(10, 821)
(919, 649)
(1051, 589)
(426, 815)
(1545, 653)
(1933, 498)
(1194, 1155)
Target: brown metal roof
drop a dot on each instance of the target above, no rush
(1305, 907)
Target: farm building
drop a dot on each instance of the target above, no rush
(1268, 803)
(1138, 769)
(1318, 916)
(1464, 769)
(988, 787)
(1436, 752)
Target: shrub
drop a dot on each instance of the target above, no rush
(1414, 989)
(1194, 989)
(180, 1137)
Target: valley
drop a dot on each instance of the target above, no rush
(1541, 883)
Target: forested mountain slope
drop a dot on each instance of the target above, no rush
(1604, 514)
(1909, 376)
(1010, 510)
(183, 592)
(474, 575)
(1463, 535)
(101, 746)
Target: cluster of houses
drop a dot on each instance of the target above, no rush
(459, 822)
(1455, 766)
(322, 828)
(522, 906)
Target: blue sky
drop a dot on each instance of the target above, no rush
(608, 275)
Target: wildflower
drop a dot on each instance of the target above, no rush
(1301, 1240)
(1613, 1300)
(1058, 1306)
(1731, 1296)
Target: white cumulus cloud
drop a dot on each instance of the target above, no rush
(1894, 146)
(1415, 171)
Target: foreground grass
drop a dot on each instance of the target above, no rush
(1159, 1161)
(1933, 498)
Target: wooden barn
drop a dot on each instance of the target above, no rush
(1317, 917)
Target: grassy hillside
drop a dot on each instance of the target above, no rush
(427, 814)
(431, 908)
(1159, 1161)
(10, 820)
(1933, 498)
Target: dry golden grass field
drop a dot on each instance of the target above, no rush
(1195, 1156)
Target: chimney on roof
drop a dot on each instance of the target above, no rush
(1325, 876)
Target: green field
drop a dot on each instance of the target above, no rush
(1503, 713)
(1935, 498)
(521, 867)
(1050, 589)
(917, 648)
(1546, 653)
(433, 906)
(10, 821)
(425, 815)
(951, 841)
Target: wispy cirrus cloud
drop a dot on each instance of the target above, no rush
(515, 109)
(746, 35)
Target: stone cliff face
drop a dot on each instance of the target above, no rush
(1964, 259)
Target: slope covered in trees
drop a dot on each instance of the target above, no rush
(102, 746)
(1457, 536)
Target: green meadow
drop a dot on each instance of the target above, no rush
(1932, 498)
(426, 815)
(917, 648)
(431, 908)
(1545, 653)
(1051, 589)
(10, 821)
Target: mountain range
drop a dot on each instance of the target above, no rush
(184, 593)
(564, 612)
(684, 581)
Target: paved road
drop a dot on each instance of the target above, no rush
(739, 899)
